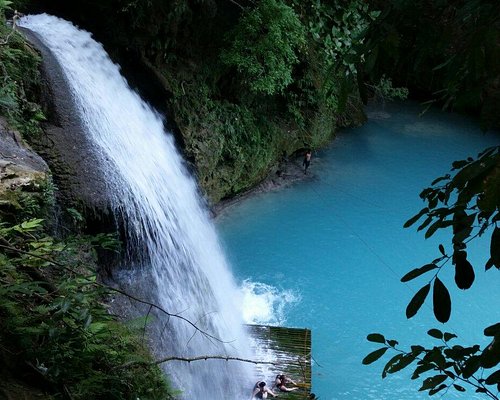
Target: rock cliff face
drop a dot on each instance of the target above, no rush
(78, 180)
(24, 175)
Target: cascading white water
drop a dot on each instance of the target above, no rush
(181, 264)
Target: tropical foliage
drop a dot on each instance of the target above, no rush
(447, 52)
(55, 329)
(264, 45)
(18, 63)
(468, 203)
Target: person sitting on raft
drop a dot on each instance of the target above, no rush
(260, 391)
(281, 381)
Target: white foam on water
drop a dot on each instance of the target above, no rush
(265, 304)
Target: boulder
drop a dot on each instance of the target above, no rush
(24, 175)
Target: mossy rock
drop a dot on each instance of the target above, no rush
(25, 181)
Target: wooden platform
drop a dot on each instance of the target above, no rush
(290, 349)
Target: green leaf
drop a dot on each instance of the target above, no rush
(96, 327)
(376, 338)
(417, 272)
(417, 301)
(435, 333)
(374, 356)
(441, 301)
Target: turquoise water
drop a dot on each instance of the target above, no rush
(328, 253)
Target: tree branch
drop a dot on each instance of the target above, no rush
(191, 359)
(202, 358)
(151, 305)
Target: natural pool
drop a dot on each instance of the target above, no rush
(328, 253)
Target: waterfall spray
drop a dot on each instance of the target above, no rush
(177, 260)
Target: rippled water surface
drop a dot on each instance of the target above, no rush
(328, 253)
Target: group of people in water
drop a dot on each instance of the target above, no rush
(261, 391)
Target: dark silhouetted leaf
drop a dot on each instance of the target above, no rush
(376, 338)
(441, 178)
(441, 249)
(417, 272)
(471, 366)
(438, 389)
(491, 354)
(495, 247)
(459, 388)
(390, 363)
(439, 259)
(459, 164)
(392, 343)
(402, 362)
(441, 301)
(462, 226)
(459, 218)
(415, 218)
(427, 221)
(492, 330)
(374, 356)
(435, 356)
(493, 378)
(433, 228)
(433, 381)
(421, 369)
(450, 374)
(417, 349)
(472, 171)
(464, 272)
(448, 336)
(435, 333)
(417, 301)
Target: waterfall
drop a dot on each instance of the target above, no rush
(174, 257)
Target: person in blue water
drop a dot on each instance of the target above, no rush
(281, 381)
(260, 391)
(307, 160)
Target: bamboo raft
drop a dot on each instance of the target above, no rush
(291, 351)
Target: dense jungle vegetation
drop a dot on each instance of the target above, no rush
(243, 83)
(271, 77)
